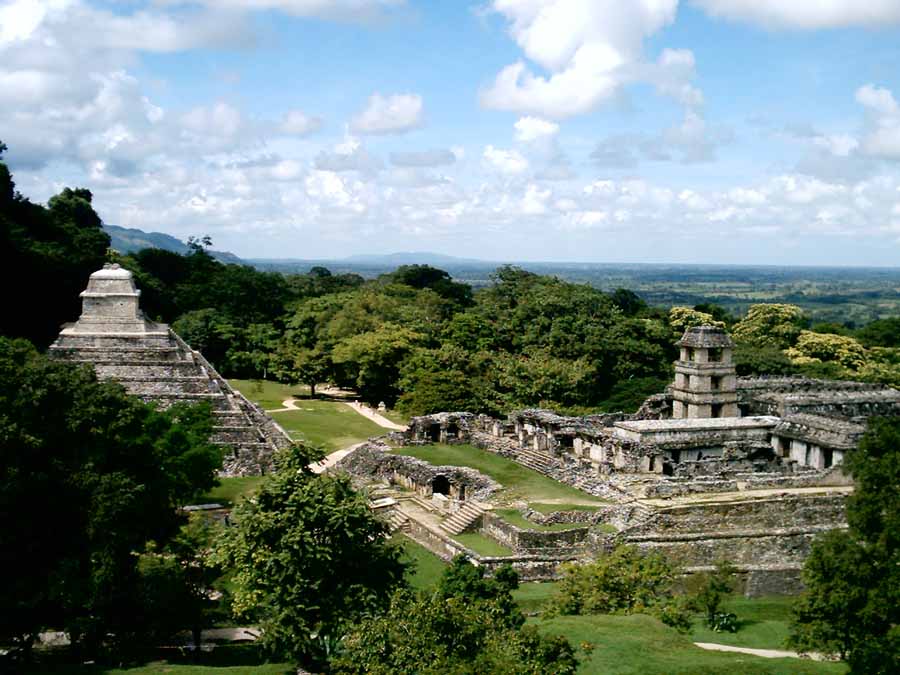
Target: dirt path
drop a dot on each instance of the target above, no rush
(286, 404)
(333, 458)
(765, 653)
(380, 420)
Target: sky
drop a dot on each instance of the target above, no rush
(682, 131)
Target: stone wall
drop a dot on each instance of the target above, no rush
(757, 532)
(534, 542)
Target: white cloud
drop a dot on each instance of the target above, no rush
(395, 114)
(349, 155)
(298, 123)
(805, 14)
(589, 48)
(882, 137)
(505, 161)
(425, 158)
(533, 128)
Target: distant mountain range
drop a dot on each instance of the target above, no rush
(130, 240)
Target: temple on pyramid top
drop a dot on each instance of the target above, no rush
(152, 362)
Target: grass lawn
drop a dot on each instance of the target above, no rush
(481, 544)
(231, 489)
(641, 645)
(267, 394)
(763, 623)
(428, 568)
(531, 596)
(553, 508)
(396, 417)
(328, 425)
(519, 481)
(514, 517)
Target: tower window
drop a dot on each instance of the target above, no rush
(715, 355)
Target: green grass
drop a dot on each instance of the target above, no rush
(533, 595)
(267, 394)
(396, 417)
(763, 623)
(231, 489)
(519, 481)
(327, 425)
(427, 567)
(514, 517)
(223, 660)
(641, 645)
(553, 508)
(482, 545)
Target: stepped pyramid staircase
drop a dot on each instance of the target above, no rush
(463, 519)
(150, 361)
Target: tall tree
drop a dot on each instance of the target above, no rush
(309, 557)
(88, 475)
(852, 603)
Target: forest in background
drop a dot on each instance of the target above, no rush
(413, 337)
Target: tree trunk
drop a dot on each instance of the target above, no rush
(312, 389)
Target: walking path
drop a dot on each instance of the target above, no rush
(361, 408)
(333, 458)
(380, 420)
(765, 653)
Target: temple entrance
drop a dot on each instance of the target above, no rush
(440, 485)
(434, 433)
(452, 431)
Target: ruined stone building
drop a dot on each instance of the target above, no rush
(153, 363)
(717, 466)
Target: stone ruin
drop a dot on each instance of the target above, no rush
(717, 466)
(152, 362)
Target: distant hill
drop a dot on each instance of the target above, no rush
(130, 240)
(412, 258)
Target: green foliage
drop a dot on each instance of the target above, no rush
(827, 348)
(770, 325)
(682, 318)
(624, 581)
(309, 558)
(469, 624)
(881, 333)
(852, 603)
(713, 588)
(425, 276)
(55, 248)
(88, 476)
(752, 360)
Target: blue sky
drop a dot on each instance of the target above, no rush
(707, 131)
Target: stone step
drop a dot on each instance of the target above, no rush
(462, 519)
(109, 354)
(236, 435)
(398, 521)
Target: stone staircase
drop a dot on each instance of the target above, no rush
(640, 515)
(535, 460)
(398, 521)
(463, 519)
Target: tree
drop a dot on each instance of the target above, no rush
(425, 276)
(299, 364)
(371, 360)
(624, 581)
(826, 348)
(56, 248)
(629, 302)
(881, 333)
(770, 325)
(309, 558)
(714, 586)
(682, 318)
(851, 605)
(469, 624)
(88, 476)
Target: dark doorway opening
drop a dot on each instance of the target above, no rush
(434, 433)
(452, 431)
(440, 485)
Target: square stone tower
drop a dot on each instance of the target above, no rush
(705, 379)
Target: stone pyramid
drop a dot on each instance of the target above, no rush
(152, 362)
